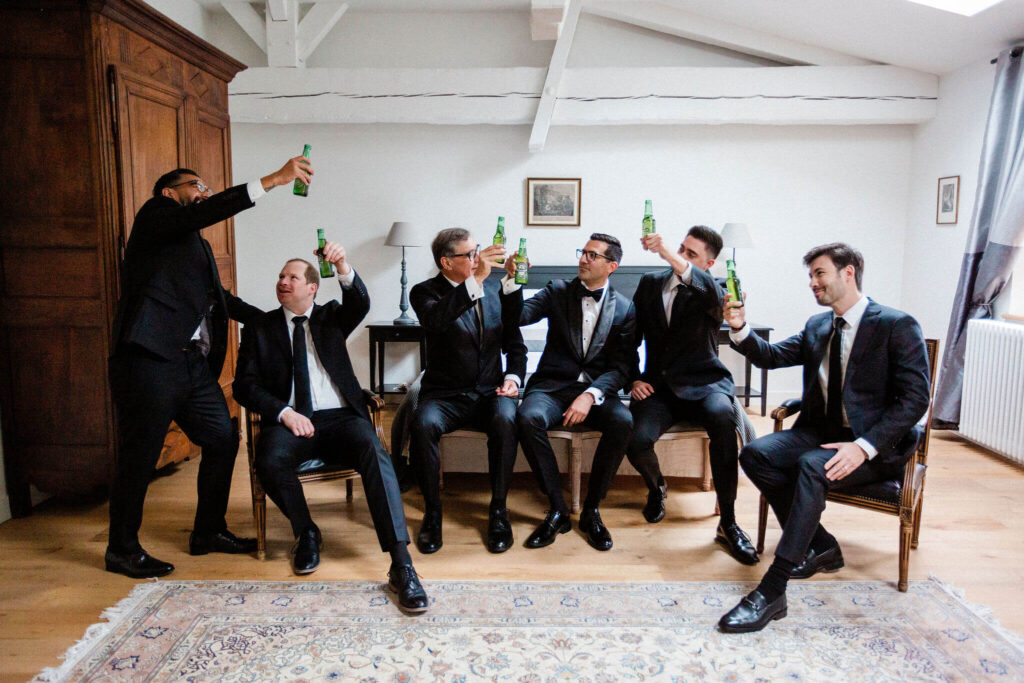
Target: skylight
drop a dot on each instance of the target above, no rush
(968, 8)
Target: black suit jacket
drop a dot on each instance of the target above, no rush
(683, 355)
(885, 391)
(460, 358)
(169, 278)
(606, 365)
(263, 379)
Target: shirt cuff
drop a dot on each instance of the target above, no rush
(508, 285)
(255, 189)
(597, 394)
(514, 378)
(687, 275)
(866, 446)
(474, 289)
(736, 336)
(347, 280)
(282, 412)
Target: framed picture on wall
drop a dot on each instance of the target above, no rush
(553, 201)
(948, 202)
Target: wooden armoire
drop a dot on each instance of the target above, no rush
(98, 99)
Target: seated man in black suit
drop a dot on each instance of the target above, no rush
(469, 321)
(865, 387)
(678, 315)
(299, 377)
(584, 365)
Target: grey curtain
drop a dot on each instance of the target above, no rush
(997, 228)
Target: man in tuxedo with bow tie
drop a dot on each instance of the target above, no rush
(169, 342)
(294, 369)
(469, 322)
(865, 373)
(585, 363)
(678, 315)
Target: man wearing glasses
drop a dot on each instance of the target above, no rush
(469, 322)
(170, 338)
(585, 363)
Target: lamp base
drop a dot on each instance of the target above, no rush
(405, 319)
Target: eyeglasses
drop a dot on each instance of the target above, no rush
(198, 184)
(469, 254)
(591, 256)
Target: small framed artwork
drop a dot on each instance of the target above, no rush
(553, 201)
(948, 202)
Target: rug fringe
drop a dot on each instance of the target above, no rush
(983, 612)
(95, 633)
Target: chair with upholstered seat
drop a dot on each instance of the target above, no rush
(902, 498)
(309, 471)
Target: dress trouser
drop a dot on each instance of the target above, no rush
(541, 410)
(789, 469)
(436, 417)
(148, 393)
(341, 437)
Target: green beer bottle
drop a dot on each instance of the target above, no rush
(521, 269)
(499, 236)
(648, 219)
(300, 188)
(732, 282)
(326, 267)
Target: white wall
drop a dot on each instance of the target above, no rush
(795, 186)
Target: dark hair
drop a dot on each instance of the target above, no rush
(312, 272)
(711, 239)
(171, 178)
(444, 243)
(614, 250)
(841, 255)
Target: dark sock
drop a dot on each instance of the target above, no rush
(400, 554)
(775, 580)
(727, 512)
(822, 540)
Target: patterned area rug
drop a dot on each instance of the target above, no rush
(537, 632)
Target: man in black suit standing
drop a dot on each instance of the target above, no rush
(585, 363)
(678, 315)
(170, 338)
(469, 321)
(294, 369)
(865, 388)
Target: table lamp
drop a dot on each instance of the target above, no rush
(736, 235)
(403, 234)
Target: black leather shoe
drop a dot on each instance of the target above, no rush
(138, 565)
(752, 614)
(220, 542)
(654, 511)
(828, 561)
(403, 581)
(306, 552)
(499, 531)
(736, 542)
(597, 533)
(429, 540)
(554, 523)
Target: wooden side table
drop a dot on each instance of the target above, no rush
(382, 332)
(745, 391)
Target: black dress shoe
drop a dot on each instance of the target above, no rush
(752, 614)
(654, 511)
(499, 531)
(554, 523)
(403, 581)
(830, 560)
(220, 542)
(429, 540)
(306, 552)
(736, 542)
(138, 565)
(597, 533)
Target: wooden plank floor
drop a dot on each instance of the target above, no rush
(52, 584)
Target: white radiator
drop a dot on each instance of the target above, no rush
(992, 408)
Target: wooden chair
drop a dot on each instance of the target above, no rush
(309, 471)
(900, 498)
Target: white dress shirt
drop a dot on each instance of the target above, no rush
(591, 312)
(852, 318)
(669, 291)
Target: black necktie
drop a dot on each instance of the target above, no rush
(834, 407)
(595, 294)
(300, 368)
(677, 304)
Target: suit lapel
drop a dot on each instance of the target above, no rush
(865, 335)
(658, 300)
(575, 317)
(819, 345)
(279, 333)
(605, 318)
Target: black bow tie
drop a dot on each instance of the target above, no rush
(595, 294)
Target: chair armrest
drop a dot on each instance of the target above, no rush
(786, 409)
(375, 405)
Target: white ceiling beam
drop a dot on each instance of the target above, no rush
(546, 18)
(553, 80)
(600, 96)
(249, 19)
(282, 34)
(280, 10)
(317, 23)
(658, 16)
